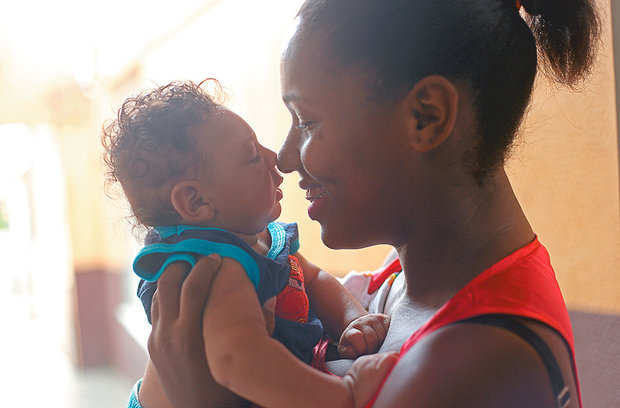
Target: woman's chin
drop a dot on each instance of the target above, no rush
(334, 240)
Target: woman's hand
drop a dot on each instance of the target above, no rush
(175, 345)
(366, 376)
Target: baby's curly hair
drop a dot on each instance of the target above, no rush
(147, 146)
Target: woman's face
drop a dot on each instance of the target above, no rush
(351, 154)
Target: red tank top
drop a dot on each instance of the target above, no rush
(522, 284)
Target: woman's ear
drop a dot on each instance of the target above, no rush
(431, 111)
(191, 204)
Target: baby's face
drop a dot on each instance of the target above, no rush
(239, 174)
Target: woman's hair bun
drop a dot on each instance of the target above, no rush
(532, 7)
(567, 33)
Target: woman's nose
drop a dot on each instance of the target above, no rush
(288, 156)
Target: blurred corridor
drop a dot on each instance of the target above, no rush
(39, 373)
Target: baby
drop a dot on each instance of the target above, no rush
(196, 176)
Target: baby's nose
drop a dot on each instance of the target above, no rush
(270, 157)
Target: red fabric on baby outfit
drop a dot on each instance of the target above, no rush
(292, 302)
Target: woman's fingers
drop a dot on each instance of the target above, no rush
(366, 375)
(169, 290)
(197, 285)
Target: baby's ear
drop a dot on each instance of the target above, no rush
(188, 200)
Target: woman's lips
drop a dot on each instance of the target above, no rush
(279, 194)
(316, 195)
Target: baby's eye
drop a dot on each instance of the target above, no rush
(253, 154)
(256, 159)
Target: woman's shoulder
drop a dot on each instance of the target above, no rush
(468, 365)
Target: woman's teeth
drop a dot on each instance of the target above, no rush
(313, 196)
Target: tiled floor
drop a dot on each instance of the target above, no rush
(38, 373)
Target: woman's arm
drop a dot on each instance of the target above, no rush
(176, 346)
(468, 366)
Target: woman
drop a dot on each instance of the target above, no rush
(403, 114)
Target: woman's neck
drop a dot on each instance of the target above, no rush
(454, 244)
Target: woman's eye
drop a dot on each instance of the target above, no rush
(305, 125)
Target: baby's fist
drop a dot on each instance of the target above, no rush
(363, 335)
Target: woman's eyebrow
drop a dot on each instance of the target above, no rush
(293, 97)
(298, 100)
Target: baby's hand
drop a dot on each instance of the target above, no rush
(363, 335)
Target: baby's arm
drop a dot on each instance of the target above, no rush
(150, 394)
(244, 358)
(342, 315)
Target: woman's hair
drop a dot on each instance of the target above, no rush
(148, 145)
(490, 45)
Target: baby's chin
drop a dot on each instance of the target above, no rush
(277, 210)
(264, 226)
(268, 219)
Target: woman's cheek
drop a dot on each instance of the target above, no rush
(314, 154)
(306, 155)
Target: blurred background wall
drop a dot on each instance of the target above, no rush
(65, 280)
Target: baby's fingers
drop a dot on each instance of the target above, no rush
(380, 324)
(384, 320)
(352, 343)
